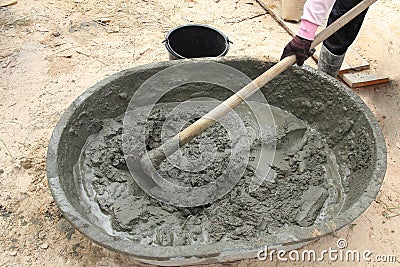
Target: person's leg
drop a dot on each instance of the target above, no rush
(335, 47)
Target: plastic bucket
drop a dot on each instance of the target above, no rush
(196, 41)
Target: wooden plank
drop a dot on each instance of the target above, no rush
(361, 79)
(353, 61)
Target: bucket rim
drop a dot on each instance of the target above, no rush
(174, 53)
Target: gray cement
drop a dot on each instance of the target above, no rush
(295, 195)
(353, 145)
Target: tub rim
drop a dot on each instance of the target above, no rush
(218, 250)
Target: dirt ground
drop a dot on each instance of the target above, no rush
(52, 50)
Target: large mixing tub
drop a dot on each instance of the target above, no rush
(349, 127)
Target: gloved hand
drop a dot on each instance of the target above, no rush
(299, 47)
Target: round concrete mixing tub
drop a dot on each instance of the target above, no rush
(349, 127)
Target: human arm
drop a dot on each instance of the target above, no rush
(314, 14)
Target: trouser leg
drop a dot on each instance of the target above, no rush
(344, 37)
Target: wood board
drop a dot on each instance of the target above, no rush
(361, 79)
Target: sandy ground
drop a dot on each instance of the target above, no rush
(52, 50)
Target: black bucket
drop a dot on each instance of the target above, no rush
(195, 41)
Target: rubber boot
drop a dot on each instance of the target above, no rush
(329, 63)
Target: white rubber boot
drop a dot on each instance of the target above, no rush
(329, 63)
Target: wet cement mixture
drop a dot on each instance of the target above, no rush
(304, 186)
